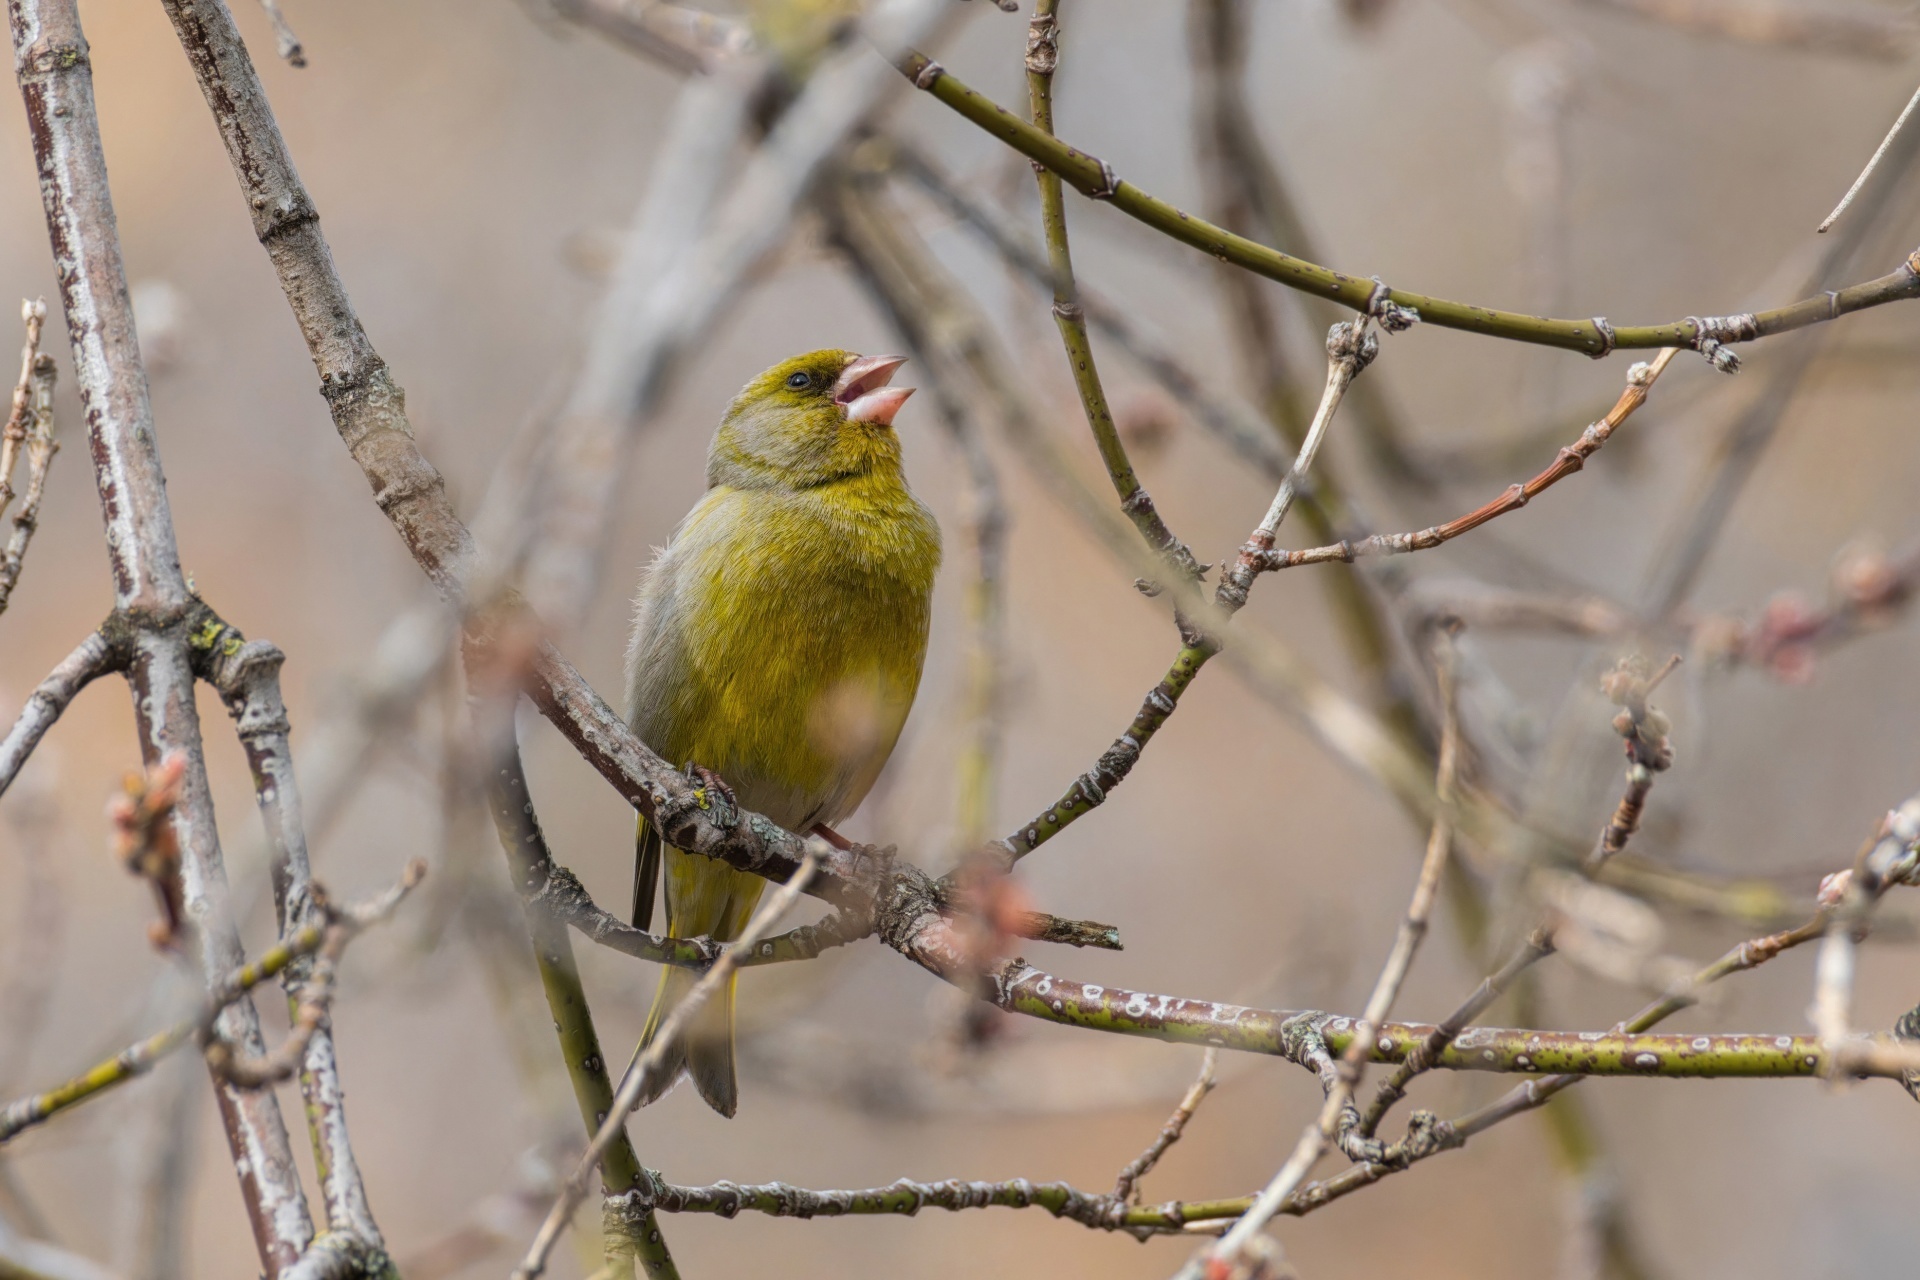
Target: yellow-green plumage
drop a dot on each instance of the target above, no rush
(778, 642)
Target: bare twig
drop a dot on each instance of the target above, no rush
(50, 60)
(41, 446)
(92, 658)
(1350, 349)
(1093, 177)
(1873, 162)
(1640, 379)
(647, 1063)
(1425, 1141)
(1043, 55)
(1338, 1122)
(1890, 859)
(139, 1058)
(246, 673)
(1125, 1186)
(1648, 750)
(34, 315)
(29, 426)
(1421, 1058)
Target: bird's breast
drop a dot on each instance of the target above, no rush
(803, 623)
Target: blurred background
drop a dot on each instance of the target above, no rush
(475, 165)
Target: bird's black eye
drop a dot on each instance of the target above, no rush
(798, 380)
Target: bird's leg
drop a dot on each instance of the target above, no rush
(710, 783)
(832, 837)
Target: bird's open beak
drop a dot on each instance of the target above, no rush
(863, 389)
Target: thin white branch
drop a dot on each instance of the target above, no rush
(1872, 164)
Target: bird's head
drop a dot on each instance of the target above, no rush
(810, 420)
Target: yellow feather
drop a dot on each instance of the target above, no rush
(779, 639)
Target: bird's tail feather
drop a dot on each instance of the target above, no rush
(704, 1049)
(646, 872)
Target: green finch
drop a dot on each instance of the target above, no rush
(777, 642)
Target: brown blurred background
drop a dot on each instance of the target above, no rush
(467, 159)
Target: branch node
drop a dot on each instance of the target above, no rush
(1391, 316)
(1043, 45)
(1711, 334)
(1605, 330)
(1109, 182)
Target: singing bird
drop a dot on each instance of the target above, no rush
(777, 642)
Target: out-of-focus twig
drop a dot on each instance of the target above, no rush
(679, 36)
(1238, 427)
(658, 308)
(1248, 181)
(1648, 751)
(287, 43)
(28, 972)
(1860, 31)
(530, 868)
(145, 843)
(1891, 858)
(161, 1172)
(1723, 475)
(23, 1259)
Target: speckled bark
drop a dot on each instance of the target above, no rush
(50, 60)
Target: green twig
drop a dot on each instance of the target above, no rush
(1043, 54)
(138, 1059)
(1095, 178)
(620, 1170)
